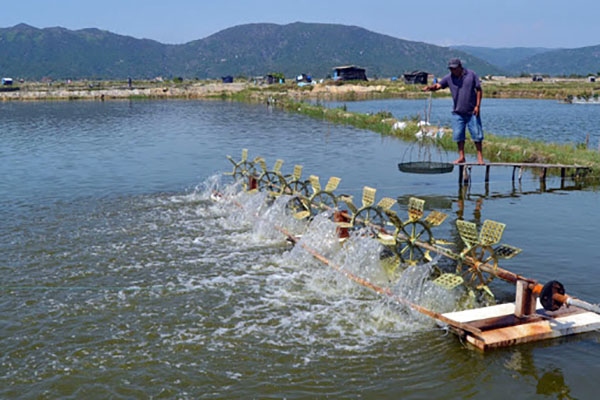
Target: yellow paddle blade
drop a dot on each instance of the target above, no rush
(415, 208)
(506, 251)
(386, 203)
(491, 232)
(435, 218)
(448, 281)
(368, 197)
(262, 163)
(297, 172)
(277, 166)
(468, 232)
(332, 184)
(347, 199)
(302, 214)
(314, 182)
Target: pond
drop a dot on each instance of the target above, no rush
(121, 278)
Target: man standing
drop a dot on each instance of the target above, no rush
(465, 87)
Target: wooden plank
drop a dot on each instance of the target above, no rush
(523, 165)
(464, 170)
(500, 328)
(541, 330)
(474, 314)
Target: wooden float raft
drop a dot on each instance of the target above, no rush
(464, 170)
(500, 326)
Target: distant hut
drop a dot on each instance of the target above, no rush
(416, 77)
(349, 73)
(227, 79)
(275, 78)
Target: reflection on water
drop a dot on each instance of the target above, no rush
(464, 194)
(549, 382)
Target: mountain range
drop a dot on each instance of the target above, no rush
(260, 48)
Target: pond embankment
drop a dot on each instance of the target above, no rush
(107, 92)
(200, 90)
(497, 87)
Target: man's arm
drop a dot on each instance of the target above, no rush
(477, 108)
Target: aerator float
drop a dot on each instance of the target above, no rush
(538, 312)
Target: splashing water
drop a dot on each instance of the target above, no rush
(359, 255)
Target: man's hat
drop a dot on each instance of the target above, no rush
(454, 63)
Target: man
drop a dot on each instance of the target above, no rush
(465, 87)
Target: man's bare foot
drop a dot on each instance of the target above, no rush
(458, 161)
(480, 161)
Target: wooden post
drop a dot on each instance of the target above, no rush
(543, 174)
(487, 174)
(467, 176)
(524, 300)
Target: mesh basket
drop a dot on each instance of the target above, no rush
(425, 167)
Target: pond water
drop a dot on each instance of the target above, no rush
(122, 279)
(544, 120)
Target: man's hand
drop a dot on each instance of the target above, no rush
(432, 88)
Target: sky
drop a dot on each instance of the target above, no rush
(485, 23)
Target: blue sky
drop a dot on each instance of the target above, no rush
(506, 23)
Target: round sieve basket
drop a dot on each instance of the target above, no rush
(425, 167)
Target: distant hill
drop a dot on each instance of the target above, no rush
(502, 57)
(258, 49)
(59, 53)
(538, 60)
(245, 50)
(314, 49)
(581, 61)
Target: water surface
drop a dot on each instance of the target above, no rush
(122, 279)
(543, 120)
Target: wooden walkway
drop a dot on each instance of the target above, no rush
(464, 169)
